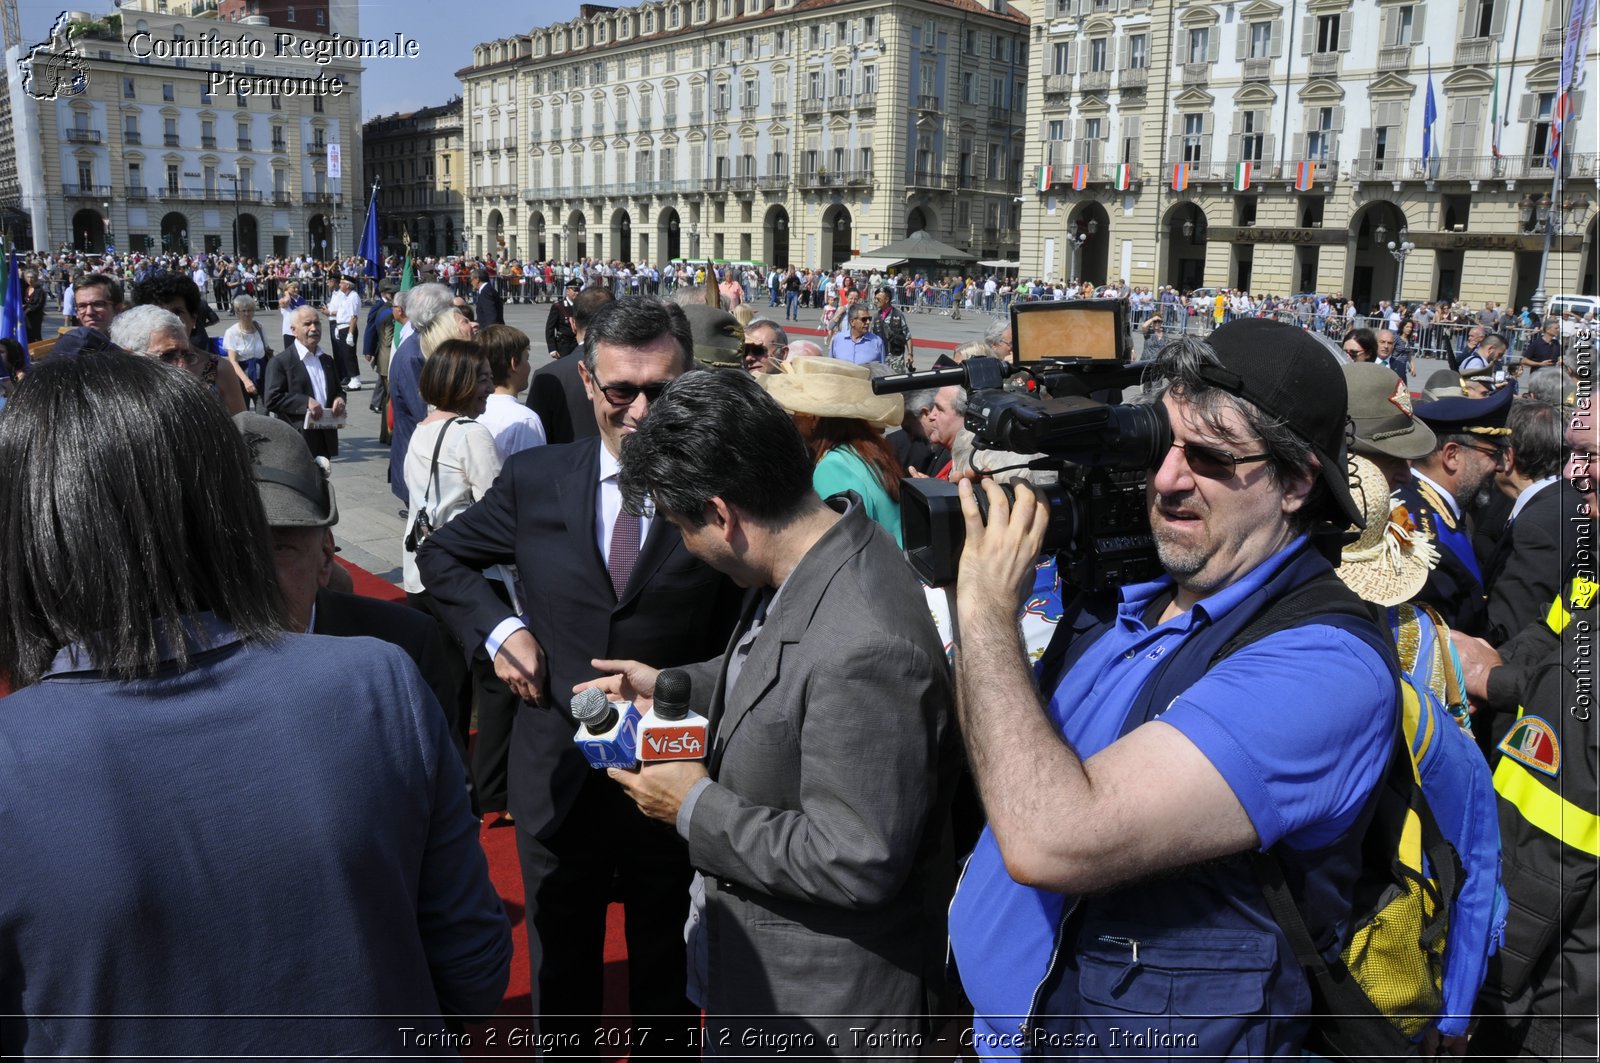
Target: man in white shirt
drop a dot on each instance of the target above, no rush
(343, 306)
(302, 383)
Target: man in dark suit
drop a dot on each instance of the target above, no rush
(816, 821)
(1523, 573)
(559, 337)
(598, 583)
(1470, 447)
(556, 392)
(302, 381)
(488, 305)
(423, 304)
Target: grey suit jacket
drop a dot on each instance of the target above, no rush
(821, 835)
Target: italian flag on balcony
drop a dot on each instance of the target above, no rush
(1180, 176)
(1124, 176)
(1080, 177)
(1241, 176)
(1046, 175)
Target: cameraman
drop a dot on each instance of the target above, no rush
(1099, 895)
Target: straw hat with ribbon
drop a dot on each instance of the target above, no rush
(830, 387)
(1390, 562)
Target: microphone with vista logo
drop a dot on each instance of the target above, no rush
(609, 730)
(670, 731)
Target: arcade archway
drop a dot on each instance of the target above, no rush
(838, 236)
(775, 237)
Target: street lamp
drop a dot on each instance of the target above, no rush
(1551, 217)
(106, 244)
(1080, 236)
(1400, 249)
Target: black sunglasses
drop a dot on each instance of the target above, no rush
(1215, 464)
(624, 394)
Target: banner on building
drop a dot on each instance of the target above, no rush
(1305, 175)
(1124, 176)
(1080, 177)
(1241, 176)
(335, 164)
(1180, 176)
(1045, 174)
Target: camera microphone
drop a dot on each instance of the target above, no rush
(608, 731)
(671, 730)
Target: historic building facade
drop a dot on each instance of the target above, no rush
(154, 155)
(418, 160)
(775, 131)
(1277, 145)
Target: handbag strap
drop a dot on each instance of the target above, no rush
(433, 466)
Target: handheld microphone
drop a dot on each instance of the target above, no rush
(609, 731)
(670, 731)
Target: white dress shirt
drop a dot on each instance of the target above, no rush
(608, 506)
(313, 363)
(343, 307)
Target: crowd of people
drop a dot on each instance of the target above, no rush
(1116, 772)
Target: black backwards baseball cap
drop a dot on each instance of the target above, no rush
(1287, 373)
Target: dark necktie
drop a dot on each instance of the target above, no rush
(624, 551)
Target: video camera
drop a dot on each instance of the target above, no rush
(1102, 449)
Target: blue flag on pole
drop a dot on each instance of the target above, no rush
(13, 319)
(1430, 111)
(369, 240)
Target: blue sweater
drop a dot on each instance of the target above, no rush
(280, 831)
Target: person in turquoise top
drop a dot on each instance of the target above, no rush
(842, 423)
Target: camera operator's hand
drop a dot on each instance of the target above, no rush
(997, 563)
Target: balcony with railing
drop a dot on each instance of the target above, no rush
(280, 147)
(839, 103)
(670, 118)
(1467, 168)
(1257, 69)
(928, 103)
(132, 136)
(932, 180)
(719, 111)
(597, 129)
(316, 199)
(822, 179)
(773, 182)
(1133, 79)
(1057, 84)
(780, 108)
(1395, 59)
(244, 144)
(645, 121)
(83, 136)
(508, 143)
(171, 139)
(208, 143)
(1004, 115)
(696, 117)
(140, 194)
(85, 191)
(1475, 50)
(1196, 73)
(1552, 44)
(1199, 169)
(1324, 64)
(1095, 81)
(812, 105)
(281, 198)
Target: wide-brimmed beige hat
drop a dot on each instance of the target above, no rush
(830, 387)
(1390, 562)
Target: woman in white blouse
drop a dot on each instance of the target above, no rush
(452, 460)
(247, 349)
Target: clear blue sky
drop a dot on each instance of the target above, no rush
(446, 30)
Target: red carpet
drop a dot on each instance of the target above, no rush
(500, 847)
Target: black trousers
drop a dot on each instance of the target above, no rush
(459, 713)
(345, 357)
(497, 710)
(607, 849)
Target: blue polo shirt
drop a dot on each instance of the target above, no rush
(1301, 760)
(868, 348)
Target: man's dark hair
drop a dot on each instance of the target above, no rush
(1177, 372)
(162, 288)
(1498, 340)
(589, 302)
(716, 433)
(449, 378)
(112, 286)
(1537, 433)
(504, 346)
(634, 321)
(129, 508)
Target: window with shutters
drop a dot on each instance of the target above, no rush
(1260, 40)
(1138, 51)
(1130, 140)
(1539, 109)
(926, 80)
(1090, 150)
(1327, 33)
(1252, 136)
(1194, 127)
(814, 85)
(1199, 44)
(969, 87)
(996, 161)
(1320, 134)
(869, 78)
(841, 81)
(1466, 130)
(1061, 58)
(1098, 50)
(1055, 129)
(964, 159)
(1485, 18)
(1403, 20)
(925, 154)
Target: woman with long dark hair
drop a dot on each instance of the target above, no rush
(229, 891)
